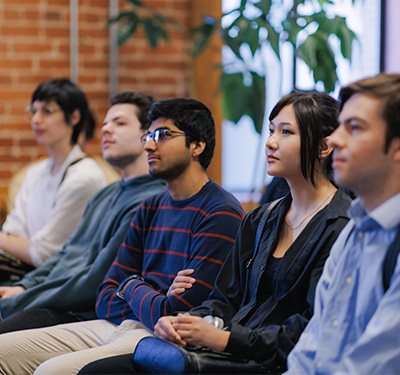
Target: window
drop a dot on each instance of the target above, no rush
(243, 159)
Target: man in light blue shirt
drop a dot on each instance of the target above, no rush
(356, 324)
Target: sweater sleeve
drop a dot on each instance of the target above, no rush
(210, 242)
(225, 299)
(78, 291)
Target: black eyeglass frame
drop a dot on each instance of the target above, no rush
(159, 135)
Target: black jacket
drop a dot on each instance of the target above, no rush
(266, 330)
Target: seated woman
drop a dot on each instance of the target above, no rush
(265, 300)
(55, 191)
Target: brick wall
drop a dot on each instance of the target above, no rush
(34, 46)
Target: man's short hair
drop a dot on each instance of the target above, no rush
(193, 118)
(140, 100)
(69, 97)
(386, 88)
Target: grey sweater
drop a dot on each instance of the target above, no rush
(68, 281)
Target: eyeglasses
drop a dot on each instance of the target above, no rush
(159, 135)
(45, 110)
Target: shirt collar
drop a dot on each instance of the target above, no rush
(387, 215)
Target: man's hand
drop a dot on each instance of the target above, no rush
(165, 329)
(194, 330)
(186, 329)
(181, 282)
(11, 291)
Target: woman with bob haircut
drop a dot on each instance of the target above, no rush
(262, 300)
(55, 191)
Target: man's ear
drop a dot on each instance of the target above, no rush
(395, 149)
(197, 148)
(75, 117)
(325, 148)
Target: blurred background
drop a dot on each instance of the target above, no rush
(196, 48)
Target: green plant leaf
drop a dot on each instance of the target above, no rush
(201, 36)
(253, 41)
(232, 43)
(291, 27)
(274, 39)
(138, 3)
(239, 99)
(127, 29)
(256, 101)
(234, 100)
(307, 51)
(242, 6)
(317, 53)
(153, 32)
(125, 14)
(264, 6)
(345, 35)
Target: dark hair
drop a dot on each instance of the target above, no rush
(317, 117)
(385, 87)
(140, 100)
(69, 97)
(193, 118)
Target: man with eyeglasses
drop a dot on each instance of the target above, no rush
(190, 226)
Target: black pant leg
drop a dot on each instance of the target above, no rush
(34, 318)
(117, 365)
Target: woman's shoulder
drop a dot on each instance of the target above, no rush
(87, 168)
(268, 211)
(340, 203)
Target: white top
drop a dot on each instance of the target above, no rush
(48, 211)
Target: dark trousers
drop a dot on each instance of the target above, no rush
(35, 318)
(117, 365)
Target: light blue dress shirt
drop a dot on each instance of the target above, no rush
(356, 326)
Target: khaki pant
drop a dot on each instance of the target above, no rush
(66, 348)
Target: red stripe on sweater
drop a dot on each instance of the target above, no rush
(188, 304)
(134, 270)
(196, 209)
(141, 303)
(170, 252)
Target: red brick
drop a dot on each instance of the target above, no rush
(22, 2)
(54, 64)
(55, 32)
(4, 175)
(20, 31)
(27, 143)
(32, 47)
(53, 16)
(15, 64)
(6, 142)
(14, 158)
(11, 15)
(5, 80)
(32, 15)
(16, 127)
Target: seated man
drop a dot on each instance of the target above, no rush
(356, 324)
(64, 288)
(263, 296)
(191, 225)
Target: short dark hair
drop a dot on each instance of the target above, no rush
(140, 100)
(317, 117)
(193, 118)
(385, 87)
(69, 97)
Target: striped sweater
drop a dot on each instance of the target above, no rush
(164, 237)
